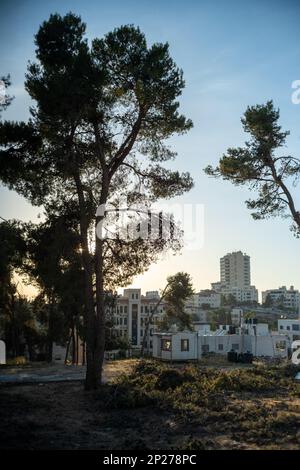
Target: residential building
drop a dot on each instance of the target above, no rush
(132, 312)
(235, 270)
(208, 297)
(235, 278)
(287, 298)
(187, 345)
(290, 327)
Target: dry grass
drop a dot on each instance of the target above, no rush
(157, 407)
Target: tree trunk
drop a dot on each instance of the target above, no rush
(68, 348)
(96, 356)
(73, 346)
(95, 317)
(100, 301)
(83, 353)
(77, 347)
(149, 319)
(50, 327)
(90, 314)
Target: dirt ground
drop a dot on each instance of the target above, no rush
(63, 416)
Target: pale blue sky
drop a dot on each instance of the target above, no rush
(233, 54)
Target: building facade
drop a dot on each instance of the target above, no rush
(131, 315)
(235, 278)
(186, 345)
(208, 297)
(289, 327)
(287, 298)
(235, 270)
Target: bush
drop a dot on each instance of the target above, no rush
(197, 444)
(122, 396)
(17, 361)
(169, 378)
(148, 367)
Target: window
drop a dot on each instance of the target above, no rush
(296, 327)
(121, 308)
(166, 345)
(142, 309)
(235, 346)
(141, 333)
(134, 324)
(288, 327)
(132, 296)
(151, 345)
(121, 321)
(220, 347)
(281, 327)
(125, 308)
(125, 321)
(280, 346)
(185, 345)
(136, 296)
(205, 348)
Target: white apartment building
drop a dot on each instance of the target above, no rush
(290, 328)
(248, 294)
(235, 278)
(235, 270)
(198, 303)
(208, 297)
(288, 298)
(132, 312)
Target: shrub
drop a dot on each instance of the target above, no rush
(148, 367)
(122, 396)
(170, 378)
(197, 444)
(17, 361)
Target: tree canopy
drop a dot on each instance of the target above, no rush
(98, 132)
(261, 166)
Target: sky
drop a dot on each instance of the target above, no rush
(233, 54)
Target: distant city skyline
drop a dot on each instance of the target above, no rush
(232, 56)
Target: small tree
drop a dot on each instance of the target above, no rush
(259, 166)
(178, 289)
(16, 316)
(228, 300)
(268, 301)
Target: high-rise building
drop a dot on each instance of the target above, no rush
(235, 270)
(235, 277)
